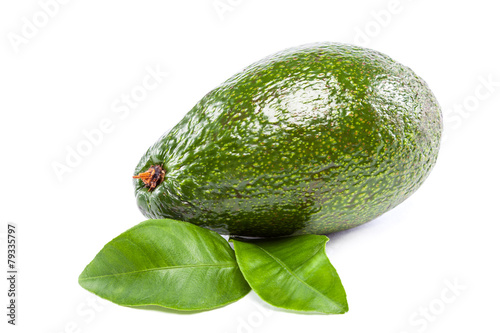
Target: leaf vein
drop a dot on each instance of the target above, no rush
(158, 269)
(286, 268)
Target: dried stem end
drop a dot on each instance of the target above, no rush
(153, 177)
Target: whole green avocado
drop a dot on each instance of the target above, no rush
(313, 139)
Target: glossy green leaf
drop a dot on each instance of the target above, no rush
(168, 263)
(292, 273)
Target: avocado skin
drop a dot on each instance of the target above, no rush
(311, 140)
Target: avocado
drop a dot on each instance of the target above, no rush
(311, 140)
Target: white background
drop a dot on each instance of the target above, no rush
(68, 75)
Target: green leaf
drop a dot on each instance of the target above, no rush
(168, 263)
(292, 273)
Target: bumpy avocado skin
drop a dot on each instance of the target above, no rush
(314, 139)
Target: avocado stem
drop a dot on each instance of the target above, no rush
(152, 177)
